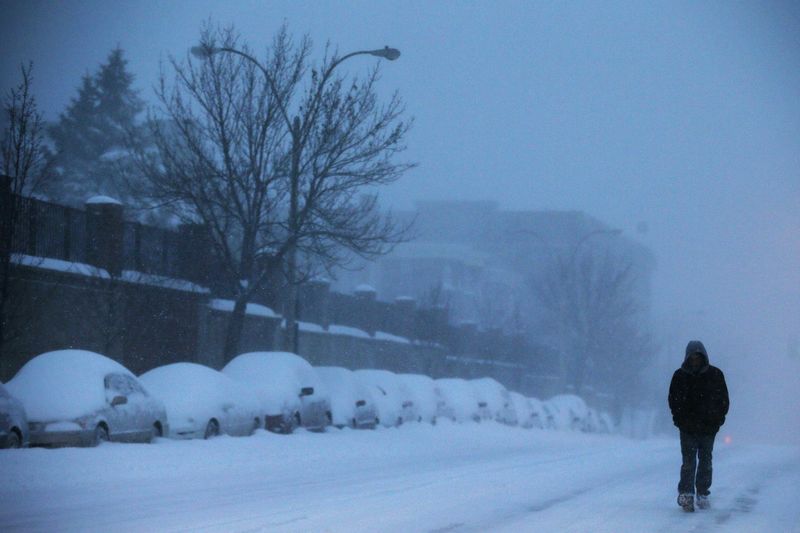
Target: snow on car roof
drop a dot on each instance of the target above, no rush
(570, 402)
(191, 389)
(63, 384)
(383, 378)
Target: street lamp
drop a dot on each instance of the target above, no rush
(296, 127)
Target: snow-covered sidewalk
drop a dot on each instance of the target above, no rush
(414, 478)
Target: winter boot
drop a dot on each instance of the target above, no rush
(702, 501)
(686, 501)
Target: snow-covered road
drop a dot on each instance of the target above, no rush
(415, 478)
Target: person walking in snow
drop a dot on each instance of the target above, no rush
(698, 399)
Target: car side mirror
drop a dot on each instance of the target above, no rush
(306, 391)
(119, 400)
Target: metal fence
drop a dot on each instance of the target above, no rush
(151, 250)
(45, 229)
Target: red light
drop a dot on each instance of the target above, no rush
(728, 439)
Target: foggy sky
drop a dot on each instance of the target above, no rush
(682, 115)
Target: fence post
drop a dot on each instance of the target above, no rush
(314, 295)
(366, 296)
(405, 307)
(67, 233)
(104, 227)
(5, 215)
(194, 254)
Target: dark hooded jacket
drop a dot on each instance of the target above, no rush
(698, 400)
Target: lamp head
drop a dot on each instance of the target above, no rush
(203, 51)
(387, 53)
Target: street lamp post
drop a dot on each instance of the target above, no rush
(299, 137)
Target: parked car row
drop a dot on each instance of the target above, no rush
(81, 398)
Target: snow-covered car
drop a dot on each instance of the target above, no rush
(598, 422)
(459, 402)
(524, 410)
(569, 412)
(540, 414)
(202, 402)
(352, 403)
(77, 397)
(13, 421)
(393, 400)
(424, 395)
(606, 422)
(494, 401)
(289, 392)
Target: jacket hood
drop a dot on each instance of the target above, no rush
(692, 348)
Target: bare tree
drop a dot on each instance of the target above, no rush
(595, 312)
(219, 160)
(342, 144)
(269, 190)
(24, 161)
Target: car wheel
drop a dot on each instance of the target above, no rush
(13, 440)
(100, 435)
(212, 429)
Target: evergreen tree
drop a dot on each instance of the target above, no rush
(92, 136)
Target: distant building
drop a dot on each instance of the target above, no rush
(478, 260)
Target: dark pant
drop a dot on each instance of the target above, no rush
(694, 447)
